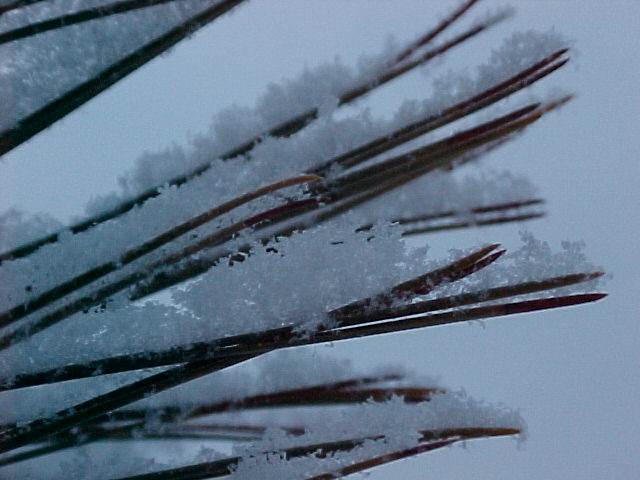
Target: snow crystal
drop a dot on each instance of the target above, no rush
(533, 261)
(307, 275)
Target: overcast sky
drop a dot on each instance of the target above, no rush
(572, 373)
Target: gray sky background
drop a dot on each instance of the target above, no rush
(572, 373)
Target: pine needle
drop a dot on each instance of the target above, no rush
(77, 17)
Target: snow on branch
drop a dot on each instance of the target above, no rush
(281, 228)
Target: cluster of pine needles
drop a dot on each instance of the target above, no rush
(110, 416)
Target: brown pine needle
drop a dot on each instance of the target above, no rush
(381, 460)
(456, 316)
(449, 436)
(467, 433)
(499, 207)
(488, 97)
(411, 287)
(455, 272)
(303, 397)
(430, 35)
(473, 223)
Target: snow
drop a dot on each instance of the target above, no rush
(535, 260)
(396, 420)
(74, 254)
(297, 285)
(18, 228)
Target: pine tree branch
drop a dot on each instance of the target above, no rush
(373, 181)
(285, 129)
(404, 169)
(18, 436)
(223, 468)
(355, 156)
(110, 427)
(115, 415)
(350, 315)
